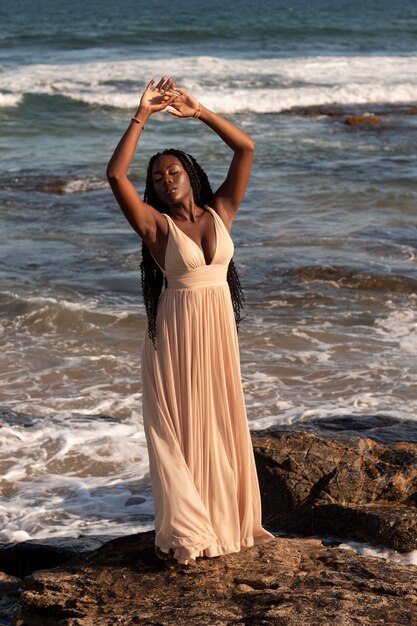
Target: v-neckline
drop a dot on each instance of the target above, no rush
(195, 243)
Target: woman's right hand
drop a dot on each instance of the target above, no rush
(158, 97)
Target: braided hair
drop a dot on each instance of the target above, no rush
(152, 278)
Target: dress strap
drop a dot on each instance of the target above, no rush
(217, 217)
(172, 227)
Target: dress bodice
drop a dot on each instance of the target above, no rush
(185, 264)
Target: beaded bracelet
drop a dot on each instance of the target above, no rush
(197, 112)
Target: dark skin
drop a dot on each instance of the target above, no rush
(171, 181)
(172, 185)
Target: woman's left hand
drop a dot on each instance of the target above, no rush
(184, 105)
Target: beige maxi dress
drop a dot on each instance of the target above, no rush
(203, 474)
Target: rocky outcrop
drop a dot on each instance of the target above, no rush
(286, 582)
(348, 477)
(338, 483)
(349, 278)
(360, 116)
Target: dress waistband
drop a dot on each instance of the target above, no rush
(192, 278)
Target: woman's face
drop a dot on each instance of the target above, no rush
(170, 180)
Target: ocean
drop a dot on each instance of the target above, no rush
(325, 239)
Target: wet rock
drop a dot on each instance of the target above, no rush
(10, 589)
(319, 111)
(411, 111)
(351, 118)
(287, 581)
(338, 483)
(363, 119)
(383, 525)
(384, 429)
(25, 557)
(380, 117)
(354, 279)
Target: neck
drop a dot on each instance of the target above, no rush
(186, 211)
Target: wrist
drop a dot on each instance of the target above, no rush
(202, 113)
(143, 113)
(197, 112)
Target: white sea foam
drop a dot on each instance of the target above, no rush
(73, 475)
(78, 185)
(57, 303)
(408, 558)
(227, 85)
(400, 327)
(10, 99)
(61, 302)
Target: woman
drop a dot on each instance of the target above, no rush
(203, 474)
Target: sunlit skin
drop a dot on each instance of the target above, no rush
(172, 186)
(197, 223)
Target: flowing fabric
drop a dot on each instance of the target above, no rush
(203, 474)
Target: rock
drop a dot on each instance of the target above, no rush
(363, 119)
(337, 476)
(287, 581)
(381, 117)
(10, 588)
(21, 559)
(348, 278)
(338, 483)
(381, 428)
(318, 111)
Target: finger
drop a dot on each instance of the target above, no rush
(173, 93)
(170, 101)
(174, 112)
(167, 84)
(149, 85)
(161, 82)
(165, 97)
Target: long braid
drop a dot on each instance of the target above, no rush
(152, 279)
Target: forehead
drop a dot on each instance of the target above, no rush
(164, 162)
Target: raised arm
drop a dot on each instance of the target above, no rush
(229, 195)
(143, 218)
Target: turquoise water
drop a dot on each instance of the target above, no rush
(326, 238)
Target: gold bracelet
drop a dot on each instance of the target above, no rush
(135, 119)
(197, 112)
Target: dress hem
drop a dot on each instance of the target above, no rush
(185, 553)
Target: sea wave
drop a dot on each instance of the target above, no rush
(10, 99)
(53, 313)
(227, 85)
(86, 473)
(48, 183)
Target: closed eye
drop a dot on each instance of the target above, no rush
(157, 179)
